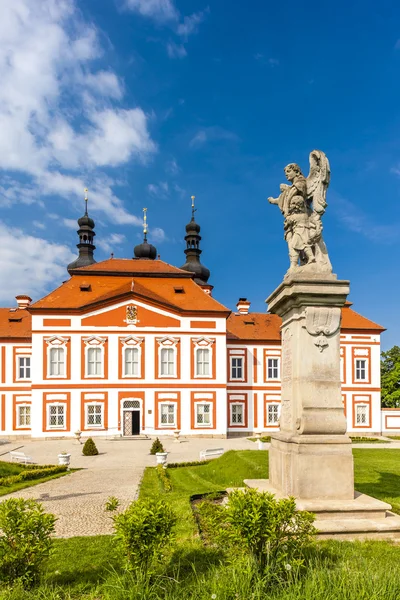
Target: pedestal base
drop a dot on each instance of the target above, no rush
(361, 517)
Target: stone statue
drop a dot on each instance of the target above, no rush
(302, 204)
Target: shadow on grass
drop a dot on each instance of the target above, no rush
(189, 560)
(386, 489)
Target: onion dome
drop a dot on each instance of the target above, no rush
(145, 250)
(193, 251)
(86, 235)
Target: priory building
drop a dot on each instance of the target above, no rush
(136, 346)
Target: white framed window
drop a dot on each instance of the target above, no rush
(94, 415)
(23, 415)
(24, 367)
(168, 414)
(237, 370)
(57, 362)
(131, 362)
(167, 356)
(362, 415)
(94, 365)
(56, 416)
(236, 410)
(272, 413)
(361, 369)
(203, 414)
(203, 366)
(273, 368)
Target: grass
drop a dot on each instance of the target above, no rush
(366, 440)
(264, 438)
(8, 468)
(394, 437)
(90, 568)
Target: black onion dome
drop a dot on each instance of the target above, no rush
(86, 221)
(145, 250)
(202, 274)
(192, 227)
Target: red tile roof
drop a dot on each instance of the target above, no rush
(266, 327)
(15, 323)
(105, 288)
(129, 267)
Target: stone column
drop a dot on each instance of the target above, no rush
(311, 457)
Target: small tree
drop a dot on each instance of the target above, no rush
(390, 378)
(156, 447)
(24, 540)
(143, 530)
(89, 448)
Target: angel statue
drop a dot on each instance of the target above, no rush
(302, 204)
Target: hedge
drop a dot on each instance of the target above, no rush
(163, 477)
(36, 473)
(193, 463)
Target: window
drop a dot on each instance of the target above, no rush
(361, 369)
(57, 362)
(272, 368)
(272, 414)
(94, 362)
(167, 414)
(202, 362)
(362, 415)
(94, 415)
(24, 367)
(56, 416)
(131, 362)
(203, 415)
(237, 414)
(167, 361)
(24, 416)
(237, 367)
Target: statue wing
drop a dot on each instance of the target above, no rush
(318, 181)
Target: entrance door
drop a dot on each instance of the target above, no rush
(135, 422)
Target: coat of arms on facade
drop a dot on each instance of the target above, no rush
(131, 314)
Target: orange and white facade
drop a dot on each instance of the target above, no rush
(135, 346)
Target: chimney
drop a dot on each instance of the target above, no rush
(23, 301)
(243, 306)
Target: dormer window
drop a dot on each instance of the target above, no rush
(85, 287)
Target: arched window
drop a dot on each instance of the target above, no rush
(202, 361)
(167, 361)
(94, 361)
(131, 362)
(57, 362)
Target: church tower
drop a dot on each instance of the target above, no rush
(86, 234)
(193, 252)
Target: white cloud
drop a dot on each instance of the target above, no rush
(157, 235)
(159, 10)
(57, 109)
(29, 265)
(38, 225)
(211, 134)
(160, 190)
(176, 50)
(109, 243)
(172, 167)
(190, 24)
(70, 223)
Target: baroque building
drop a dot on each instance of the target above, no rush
(137, 346)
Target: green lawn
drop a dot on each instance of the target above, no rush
(90, 568)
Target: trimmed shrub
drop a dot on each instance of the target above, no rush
(156, 447)
(163, 477)
(24, 540)
(193, 463)
(89, 448)
(37, 473)
(143, 530)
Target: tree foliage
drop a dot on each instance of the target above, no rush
(390, 378)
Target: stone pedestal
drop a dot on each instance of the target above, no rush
(311, 456)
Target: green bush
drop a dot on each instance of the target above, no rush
(24, 539)
(193, 463)
(156, 447)
(89, 448)
(112, 504)
(143, 530)
(271, 531)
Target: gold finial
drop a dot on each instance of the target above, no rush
(145, 229)
(193, 208)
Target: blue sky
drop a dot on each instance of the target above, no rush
(147, 102)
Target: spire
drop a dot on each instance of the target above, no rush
(145, 250)
(193, 251)
(86, 234)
